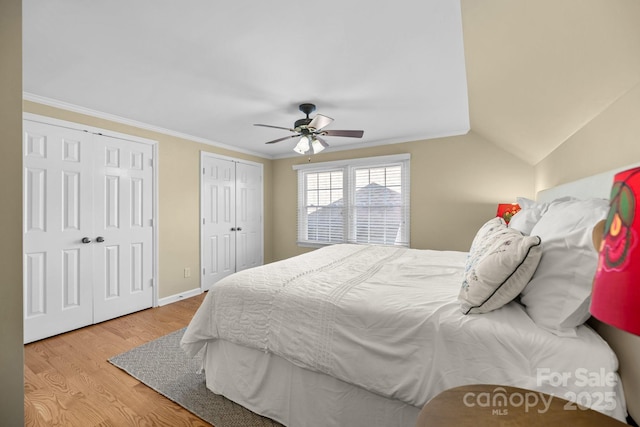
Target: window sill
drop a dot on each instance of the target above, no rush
(321, 245)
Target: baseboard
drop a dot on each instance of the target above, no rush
(178, 297)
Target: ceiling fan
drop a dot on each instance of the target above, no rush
(311, 130)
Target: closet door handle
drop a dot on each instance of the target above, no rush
(86, 240)
(239, 229)
(100, 239)
(233, 229)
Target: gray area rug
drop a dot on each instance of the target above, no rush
(162, 365)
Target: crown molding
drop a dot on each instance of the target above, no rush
(27, 96)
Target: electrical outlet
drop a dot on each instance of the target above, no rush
(187, 272)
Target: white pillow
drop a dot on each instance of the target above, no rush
(525, 203)
(497, 274)
(526, 219)
(557, 297)
(531, 212)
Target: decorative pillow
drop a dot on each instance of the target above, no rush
(557, 297)
(496, 274)
(484, 234)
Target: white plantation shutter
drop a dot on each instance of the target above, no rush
(321, 213)
(355, 201)
(378, 206)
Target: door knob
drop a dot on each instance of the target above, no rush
(86, 240)
(100, 239)
(239, 229)
(233, 229)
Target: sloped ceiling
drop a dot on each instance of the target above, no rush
(212, 69)
(536, 71)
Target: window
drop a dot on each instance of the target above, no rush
(354, 201)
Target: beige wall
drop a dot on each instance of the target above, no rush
(179, 197)
(538, 71)
(456, 183)
(11, 353)
(610, 140)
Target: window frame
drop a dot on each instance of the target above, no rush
(348, 168)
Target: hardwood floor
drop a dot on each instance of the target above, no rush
(69, 382)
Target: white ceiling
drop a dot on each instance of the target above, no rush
(537, 71)
(212, 69)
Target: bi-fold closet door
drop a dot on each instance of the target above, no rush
(88, 228)
(231, 232)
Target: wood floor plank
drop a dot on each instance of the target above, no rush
(69, 381)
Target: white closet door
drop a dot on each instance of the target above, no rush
(218, 219)
(88, 231)
(57, 216)
(248, 216)
(123, 230)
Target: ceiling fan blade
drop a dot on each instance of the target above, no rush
(347, 133)
(275, 127)
(282, 139)
(320, 121)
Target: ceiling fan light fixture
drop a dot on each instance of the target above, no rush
(302, 146)
(317, 146)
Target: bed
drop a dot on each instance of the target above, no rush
(366, 335)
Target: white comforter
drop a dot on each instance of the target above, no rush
(387, 319)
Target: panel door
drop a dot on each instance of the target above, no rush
(57, 216)
(248, 216)
(123, 227)
(218, 201)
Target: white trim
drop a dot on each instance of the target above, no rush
(27, 96)
(81, 127)
(201, 220)
(406, 195)
(118, 119)
(229, 158)
(178, 297)
(156, 226)
(368, 144)
(394, 158)
(348, 168)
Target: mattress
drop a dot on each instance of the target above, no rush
(387, 320)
